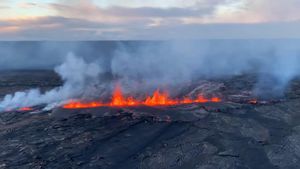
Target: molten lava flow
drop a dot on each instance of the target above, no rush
(215, 99)
(158, 98)
(81, 105)
(25, 109)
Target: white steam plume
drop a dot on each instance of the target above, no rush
(77, 76)
(139, 66)
(159, 64)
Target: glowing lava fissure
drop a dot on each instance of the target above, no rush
(158, 98)
(25, 109)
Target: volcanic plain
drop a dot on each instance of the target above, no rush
(240, 132)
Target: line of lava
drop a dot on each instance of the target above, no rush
(25, 109)
(157, 99)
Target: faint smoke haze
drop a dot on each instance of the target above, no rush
(143, 65)
(169, 63)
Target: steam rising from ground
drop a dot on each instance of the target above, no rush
(148, 65)
(179, 62)
(77, 75)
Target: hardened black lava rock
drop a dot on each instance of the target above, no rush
(226, 135)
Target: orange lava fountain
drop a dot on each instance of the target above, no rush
(158, 98)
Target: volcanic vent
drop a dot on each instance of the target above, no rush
(158, 98)
(125, 132)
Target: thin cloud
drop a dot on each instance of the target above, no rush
(88, 9)
(86, 20)
(4, 7)
(61, 28)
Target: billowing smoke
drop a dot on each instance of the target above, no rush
(77, 76)
(169, 63)
(148, 65)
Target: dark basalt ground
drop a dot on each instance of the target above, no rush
(227, 135)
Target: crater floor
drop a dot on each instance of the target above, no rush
(227, 135)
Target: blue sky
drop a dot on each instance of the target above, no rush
(148, 19)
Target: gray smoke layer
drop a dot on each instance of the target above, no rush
(275, 63)
(143, 66)
(77, 76)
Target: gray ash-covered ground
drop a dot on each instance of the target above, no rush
(227, 135)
